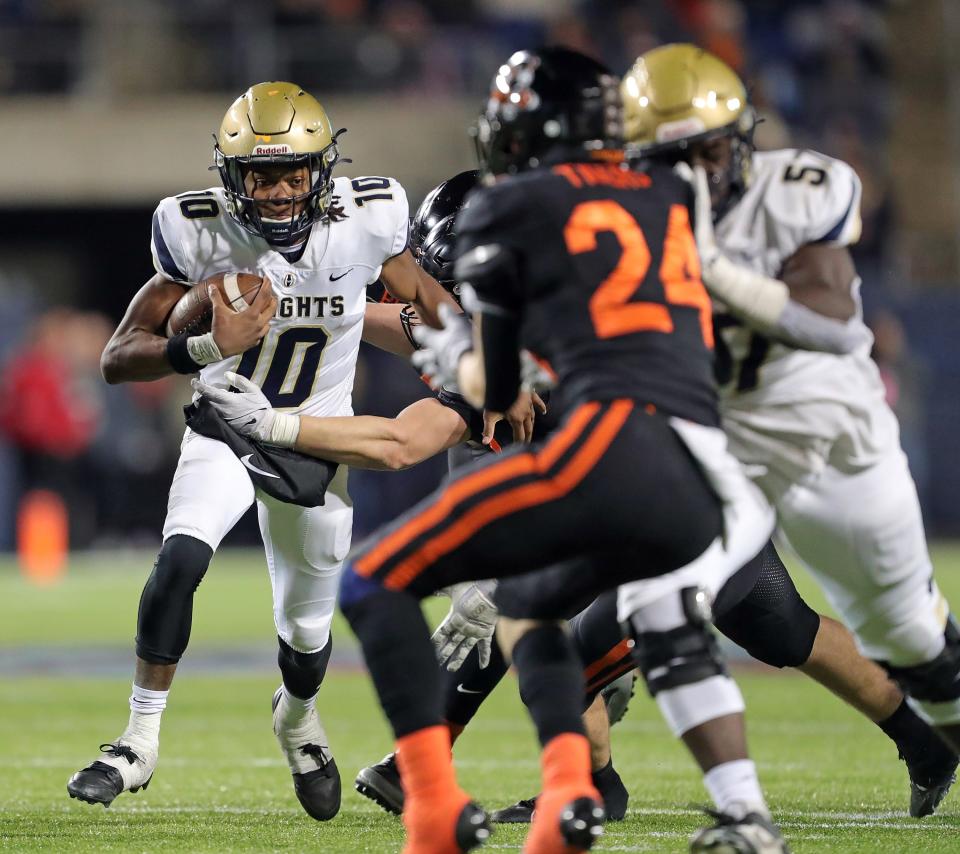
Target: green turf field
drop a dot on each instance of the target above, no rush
(832, 779)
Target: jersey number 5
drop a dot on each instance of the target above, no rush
(611, 307)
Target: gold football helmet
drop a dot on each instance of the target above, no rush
(679, 94)
(277, 124)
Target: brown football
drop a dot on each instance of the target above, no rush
(193, 312)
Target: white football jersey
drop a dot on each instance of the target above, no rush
(307, 361)
(780, 401)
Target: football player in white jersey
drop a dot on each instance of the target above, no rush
(802, 403)
(318, 241)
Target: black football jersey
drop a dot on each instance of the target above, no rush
(600, 267)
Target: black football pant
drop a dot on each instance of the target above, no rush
(614, 484)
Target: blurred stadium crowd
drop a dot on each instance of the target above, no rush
(820, 75)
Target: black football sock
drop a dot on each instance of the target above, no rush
(612, 790)
(303, 671)
(466, 689)
(551, 681)
(400, 657)
(927, 756)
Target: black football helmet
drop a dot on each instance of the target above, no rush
(433, 232)
(547, 106)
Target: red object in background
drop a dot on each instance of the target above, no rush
(39, 411)
(42, 536)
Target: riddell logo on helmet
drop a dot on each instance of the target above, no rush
(271, 150)
(670, 131)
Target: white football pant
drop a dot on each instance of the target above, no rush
(304, 546)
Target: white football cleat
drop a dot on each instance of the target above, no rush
(752, 834)
(127, 765)
(316, 779)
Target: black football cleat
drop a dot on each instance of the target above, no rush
(930, 782)
(581, 823)
(316, 779)
(519, 813)
(608, 783)
(381, 784)
(123, 770)
(473, 827)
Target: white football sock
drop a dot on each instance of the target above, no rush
(297, 707)
(735, 788)
(146, 709)
(147, 702)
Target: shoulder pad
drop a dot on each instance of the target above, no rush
(815, 196)
(178, 223)
(380, 204)
(166, 240)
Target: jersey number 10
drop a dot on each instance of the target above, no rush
(293, 367)
(612, 309)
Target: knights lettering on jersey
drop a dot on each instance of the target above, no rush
(310, 306)
(307, 360)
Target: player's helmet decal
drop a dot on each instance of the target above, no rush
(546, 106)
(277, 124)
(679, 94)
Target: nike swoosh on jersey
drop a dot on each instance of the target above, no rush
(462, 690)
(337, 278)
(246, 461)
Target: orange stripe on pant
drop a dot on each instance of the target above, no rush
(472, 484)
(619, 651)
(602, 682)
(514, 500)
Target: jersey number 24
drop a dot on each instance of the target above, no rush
(612, 308)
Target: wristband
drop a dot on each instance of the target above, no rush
(203, 349)
(284, 430)
(178, 355)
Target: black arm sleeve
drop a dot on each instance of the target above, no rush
(500, 334)
(490, 257)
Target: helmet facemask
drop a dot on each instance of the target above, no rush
(726, 188)
(313, 205)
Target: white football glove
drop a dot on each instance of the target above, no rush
(249, 412)
(534, 374)
(442, 348)
(471, 622)
(703, 233)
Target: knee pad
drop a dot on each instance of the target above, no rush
(166, 605)
(682, 655)
(772, 621)
(936, 681)
(303, 671)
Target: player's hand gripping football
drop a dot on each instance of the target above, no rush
(249, 412)
(471, 622)
(237, 331)
(439, 357)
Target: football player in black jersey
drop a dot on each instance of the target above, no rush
(623, 477)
